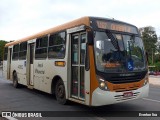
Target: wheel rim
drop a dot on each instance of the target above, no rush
(14, 80)
(60, 92)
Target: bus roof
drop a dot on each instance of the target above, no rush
(77, 22)
(81, 21)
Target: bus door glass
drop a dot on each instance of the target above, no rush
(31, 63)
(78, 52)
(9, 64)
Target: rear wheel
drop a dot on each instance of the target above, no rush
(60, 92)
(15, 80)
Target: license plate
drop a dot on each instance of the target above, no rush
(127, 94)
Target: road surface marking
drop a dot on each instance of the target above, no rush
(11, 118)
(151, 100)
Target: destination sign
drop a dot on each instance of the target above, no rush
(116, 26)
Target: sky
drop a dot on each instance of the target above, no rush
(21, 18)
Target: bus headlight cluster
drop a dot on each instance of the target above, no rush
(102, 83)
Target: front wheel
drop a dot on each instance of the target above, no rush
(15, 80)
(60, 92)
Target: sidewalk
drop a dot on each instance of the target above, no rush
(154, 80)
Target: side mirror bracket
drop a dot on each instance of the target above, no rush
(90, 37)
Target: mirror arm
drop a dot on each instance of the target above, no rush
(89, 36)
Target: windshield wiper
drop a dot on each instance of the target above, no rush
(115, 43)
(114, 40)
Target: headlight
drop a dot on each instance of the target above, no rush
(102, 83)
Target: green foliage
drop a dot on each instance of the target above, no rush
(149, 38)
(2, 44)
(157, 66)
(157, 58)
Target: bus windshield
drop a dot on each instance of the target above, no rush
(118, 52)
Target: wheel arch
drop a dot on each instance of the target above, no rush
(53, 84)
(14, 71)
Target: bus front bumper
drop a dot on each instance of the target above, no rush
(101, 97)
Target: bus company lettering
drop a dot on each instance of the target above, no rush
(39, 71)
(40, 64)
(20, 66)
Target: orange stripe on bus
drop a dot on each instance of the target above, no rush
(93, 79)
(124, 87)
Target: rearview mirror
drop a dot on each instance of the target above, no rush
(90, 37)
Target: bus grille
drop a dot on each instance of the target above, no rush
(126, 79)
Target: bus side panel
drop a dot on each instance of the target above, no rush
(20, 67)
(57, 71)
(5, 69)
(45, 71)
(39, 74)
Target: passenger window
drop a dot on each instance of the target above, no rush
(15, 55)
(56, 47)
(23, 51)
(42, 42)
(41, 48)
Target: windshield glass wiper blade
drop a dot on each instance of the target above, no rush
(114, 40)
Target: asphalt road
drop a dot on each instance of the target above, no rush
(24, 99)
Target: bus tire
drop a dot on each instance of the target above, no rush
(60, 92)
(15, 80)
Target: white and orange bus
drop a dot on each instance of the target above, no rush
(93, 61)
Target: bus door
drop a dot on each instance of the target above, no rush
(9, 64)
(78, 51)
(31, 46)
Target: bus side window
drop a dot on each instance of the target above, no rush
(41, 48)
(56, 47)
(23, 51)
(15, 55)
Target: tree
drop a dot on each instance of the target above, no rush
(158, 46)
(150, 39)
(2, 44)
(157, 64)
